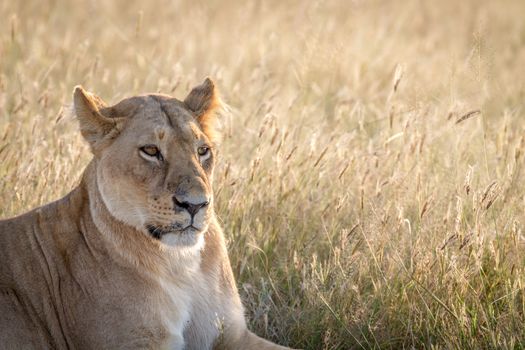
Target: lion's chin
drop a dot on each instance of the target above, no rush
(186, 238)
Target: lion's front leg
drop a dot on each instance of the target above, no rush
(246, 340)
(175, 341)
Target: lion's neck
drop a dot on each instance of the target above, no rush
(134, 246)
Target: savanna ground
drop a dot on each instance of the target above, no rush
(370, 180)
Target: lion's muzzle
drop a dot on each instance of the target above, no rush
(191, 207)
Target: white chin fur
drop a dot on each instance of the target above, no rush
(184, 239)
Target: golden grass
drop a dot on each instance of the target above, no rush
(370, 181)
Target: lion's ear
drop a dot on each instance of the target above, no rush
(203, 101)
(95, 127)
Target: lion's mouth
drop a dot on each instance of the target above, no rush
(157, 232)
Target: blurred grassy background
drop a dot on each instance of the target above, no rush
(370, 179)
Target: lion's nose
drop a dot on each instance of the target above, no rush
(192, 208)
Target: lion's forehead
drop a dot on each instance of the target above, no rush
(165, 118)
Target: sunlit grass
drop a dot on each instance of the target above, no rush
(370, 180)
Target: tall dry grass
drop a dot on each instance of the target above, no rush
(370, 180)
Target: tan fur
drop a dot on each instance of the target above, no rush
(87, 272)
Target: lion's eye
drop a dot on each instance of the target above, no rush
(203, 151)
(151, 151)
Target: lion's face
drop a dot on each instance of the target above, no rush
(156, 174)
(154, 164)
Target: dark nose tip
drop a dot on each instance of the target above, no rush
(192, 208)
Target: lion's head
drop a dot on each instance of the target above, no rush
(154, 160)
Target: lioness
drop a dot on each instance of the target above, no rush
(133, 257)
